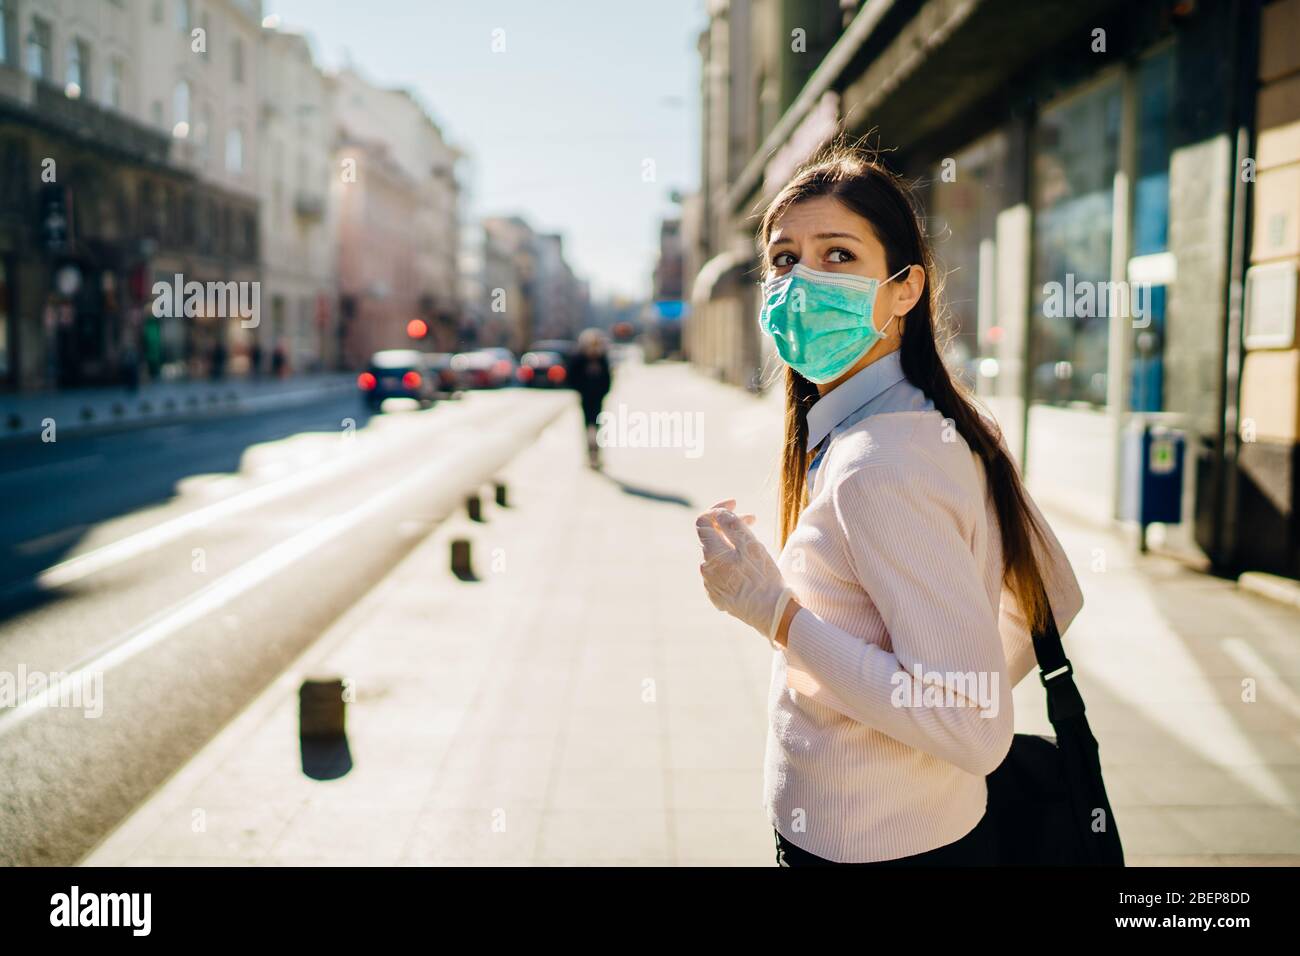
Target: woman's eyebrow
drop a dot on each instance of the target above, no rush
(820, 235)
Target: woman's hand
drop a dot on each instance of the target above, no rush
(739, 575)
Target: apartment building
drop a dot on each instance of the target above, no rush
(296, 141)
(387, 134)
(197, 76)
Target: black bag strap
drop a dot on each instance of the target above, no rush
(1064, 702)
(1081, 763)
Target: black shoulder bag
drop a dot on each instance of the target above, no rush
(1047, 802)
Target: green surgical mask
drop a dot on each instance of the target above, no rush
(821, 322)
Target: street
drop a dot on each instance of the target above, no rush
(681, 436)
(579, 700)
(184, 566)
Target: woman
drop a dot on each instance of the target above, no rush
(913, 562)
(588, 372)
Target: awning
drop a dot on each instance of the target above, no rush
(721, 266)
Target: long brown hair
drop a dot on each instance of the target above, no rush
(871, 190)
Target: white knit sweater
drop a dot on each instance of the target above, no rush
(897, 562)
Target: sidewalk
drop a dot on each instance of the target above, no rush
(82, 409)
(584, 703)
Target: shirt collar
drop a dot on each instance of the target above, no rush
(847, 397)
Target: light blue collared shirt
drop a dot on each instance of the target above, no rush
(880, 387)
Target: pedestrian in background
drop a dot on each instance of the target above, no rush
(279, 360)
(589, 374)
(219, 361)
(914, 565)
(129, 362)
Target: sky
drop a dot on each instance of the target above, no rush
(559, 124)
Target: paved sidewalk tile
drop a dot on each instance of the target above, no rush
(583, 703)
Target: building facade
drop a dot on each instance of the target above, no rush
(197, 82)
(667, 308)
(1110, 192)
(413, 200)
(510, 282)
(296, 137)
(560, 297)
(101, 198)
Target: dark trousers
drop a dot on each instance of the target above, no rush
(591, 405)
(974, 849)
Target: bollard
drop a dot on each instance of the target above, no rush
(321, 708)
(502, 496)
(474, 506)
(461, 565)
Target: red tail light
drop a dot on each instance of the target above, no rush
(555, 373)
(525, 373)
(366, 382)
(412, 380)
(502, 367)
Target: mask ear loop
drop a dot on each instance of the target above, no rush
(881, 331)
(897, 274)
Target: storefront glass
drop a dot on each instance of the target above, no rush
(1155, 93)
(1075, 155)
(966, 194)
(1155, 80)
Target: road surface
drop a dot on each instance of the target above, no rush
(153, 581)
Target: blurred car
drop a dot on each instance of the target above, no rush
(484, 368)
(444, 376)
(397, 373)
(542, 369)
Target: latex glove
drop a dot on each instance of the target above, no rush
(739, 575)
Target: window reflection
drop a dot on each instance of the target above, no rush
(1075, 153)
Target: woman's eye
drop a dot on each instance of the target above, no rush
(839, 255)
(782, 259)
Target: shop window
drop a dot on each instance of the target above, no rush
(1155, 82)
(966, 192)
(1075, 156)
(1152, 267)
